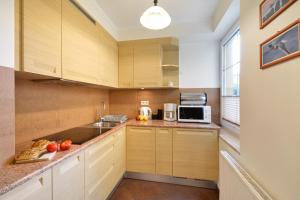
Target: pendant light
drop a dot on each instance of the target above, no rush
(155, 17)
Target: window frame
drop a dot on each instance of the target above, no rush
(235, 128)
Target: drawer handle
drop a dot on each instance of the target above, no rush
(69, 165)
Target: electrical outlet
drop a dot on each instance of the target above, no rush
(144, 103)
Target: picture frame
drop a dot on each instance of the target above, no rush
(282, 46)
(271, 9)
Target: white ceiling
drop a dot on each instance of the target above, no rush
(192, 20)
(125, 14)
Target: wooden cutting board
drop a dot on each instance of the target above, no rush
(42, 157)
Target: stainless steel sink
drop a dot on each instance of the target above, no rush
(103, 125)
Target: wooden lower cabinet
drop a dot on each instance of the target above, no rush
(120, 154)
(164, 143)
(68, 179)
(195, 154)
(37, 188)
(99, 169)
(140, 147)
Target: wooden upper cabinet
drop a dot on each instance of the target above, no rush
(126, 67)
(41, 24)
(195, 154)
(80, 61)
(147, 66)
(108, 58)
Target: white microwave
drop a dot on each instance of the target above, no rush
(190, 113)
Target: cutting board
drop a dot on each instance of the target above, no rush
(42, 157)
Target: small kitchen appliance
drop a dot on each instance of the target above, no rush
(193, 108)
(146, 111)
(170, 110)
(194, 113)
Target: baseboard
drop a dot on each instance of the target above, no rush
(171, 180)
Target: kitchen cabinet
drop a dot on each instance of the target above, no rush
(108, 58)
(37, 188)
(164, 150)
(68, 179)
(126, 67)
(80, 60)
(147, 66)
(40, 36)
(195, 154)
(140, 147)
(99, 169)
(149, 63)
(120, 154)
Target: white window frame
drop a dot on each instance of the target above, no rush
(231, 126)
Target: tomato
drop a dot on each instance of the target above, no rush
(65, 145)
(52, 147)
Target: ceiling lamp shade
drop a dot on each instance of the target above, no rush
(155, 18)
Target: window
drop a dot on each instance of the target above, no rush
(231, 79)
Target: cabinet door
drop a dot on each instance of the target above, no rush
(68, 179)
(164, 151)
(42, 37)
(120, 154)
(147, 66)
(195, 154)
(108, 55)
(79, 45)
(99, 169)
(126, 67)
(140, 146)
(37, 188)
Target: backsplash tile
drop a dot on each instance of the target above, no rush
(46, 108)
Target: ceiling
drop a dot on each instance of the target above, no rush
(125, 14)
(192, 20)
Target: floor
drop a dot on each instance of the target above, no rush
(130, 189)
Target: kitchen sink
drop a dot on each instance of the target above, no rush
(78, 135)
(103, 125)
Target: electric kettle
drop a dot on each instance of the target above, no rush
(146, 111)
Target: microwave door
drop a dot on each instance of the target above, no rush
(192, 113)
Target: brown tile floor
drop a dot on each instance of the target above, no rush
(130, 189)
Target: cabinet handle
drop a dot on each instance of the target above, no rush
(195, 133)
(69, 165)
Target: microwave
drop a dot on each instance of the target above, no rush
(190, 113)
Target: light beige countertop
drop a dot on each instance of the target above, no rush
(14, 175)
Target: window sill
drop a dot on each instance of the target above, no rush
(230, 138)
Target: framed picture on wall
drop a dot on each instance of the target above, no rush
(270, 9)
(281, 47)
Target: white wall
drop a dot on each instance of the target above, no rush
(7, 33)
(199, 64)
(270, 107)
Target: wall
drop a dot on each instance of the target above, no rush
(7, 106)
(270, 108)
(7, 33)
(199, 64)
(7, 117)
(128, 101)
(46, 108)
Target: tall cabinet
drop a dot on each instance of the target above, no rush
(41, 43)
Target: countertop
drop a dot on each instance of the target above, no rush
(14, 175)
